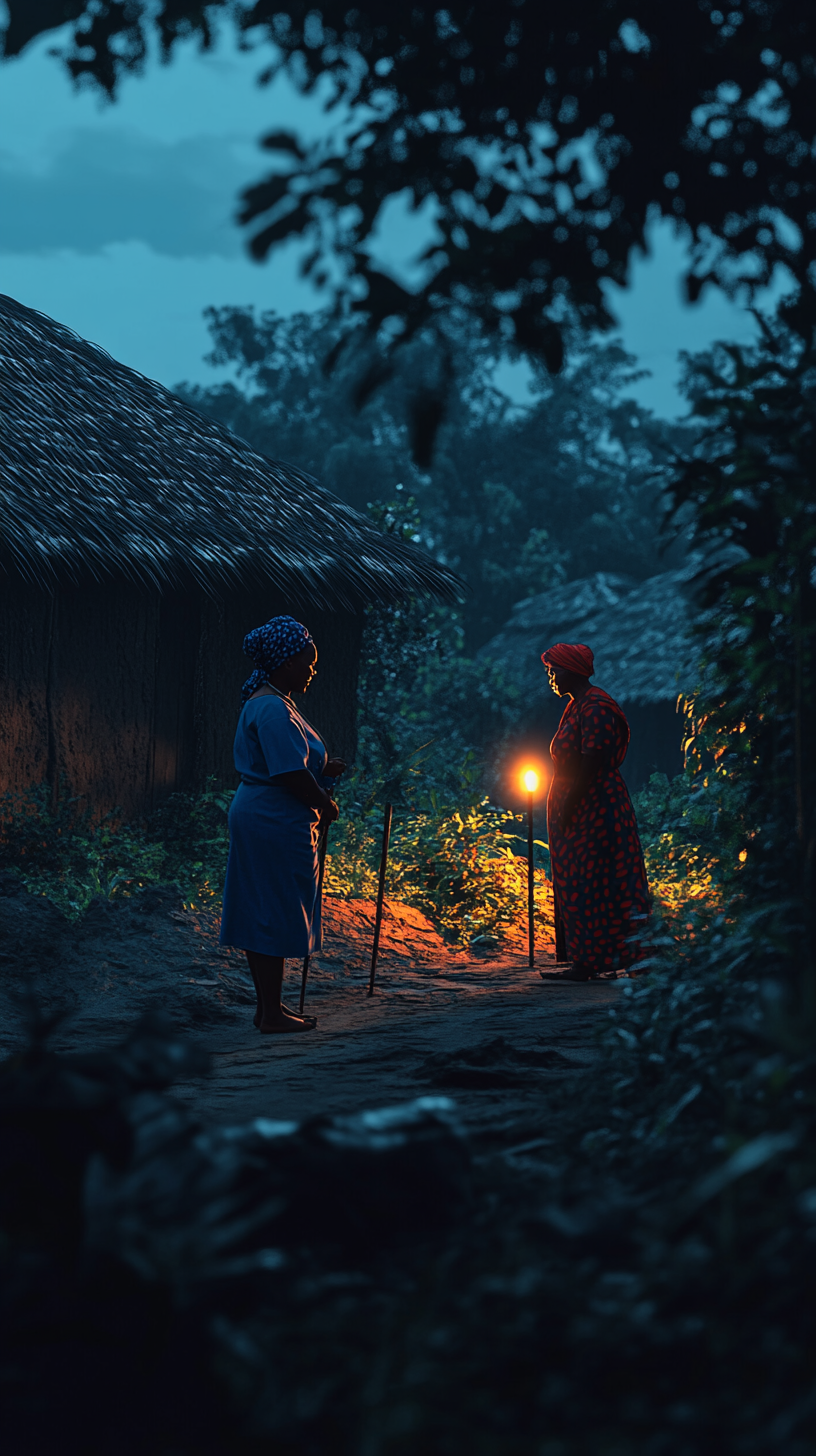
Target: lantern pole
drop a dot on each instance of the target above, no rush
(530, 780)
(530, 880)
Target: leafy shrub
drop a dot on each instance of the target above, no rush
(59, 851)
(694, 834)
(193, 833)
(460, 860)
(463, 868)
(748, 488)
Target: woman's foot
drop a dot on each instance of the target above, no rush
(575, 972)
(284, 1023)
(301, 1015)
(286, 1011)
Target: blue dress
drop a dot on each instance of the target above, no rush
(271, 902)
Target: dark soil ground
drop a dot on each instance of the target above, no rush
(488, 1031)
(525, 1260)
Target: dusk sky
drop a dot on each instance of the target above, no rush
(118, 219)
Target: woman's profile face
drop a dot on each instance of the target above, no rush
(566, 684)
(558, 680)
(299, 670)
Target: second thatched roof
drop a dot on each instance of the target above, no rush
(640, 633)
(105, 473)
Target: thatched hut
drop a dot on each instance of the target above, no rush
(645, 656)
(139, 542)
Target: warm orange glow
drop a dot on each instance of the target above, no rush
(530, 780)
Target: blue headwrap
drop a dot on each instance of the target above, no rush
(271, 645)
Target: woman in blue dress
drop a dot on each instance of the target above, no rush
(283, 804)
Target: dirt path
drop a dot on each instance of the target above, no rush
(488, 1032)
(488, 1035)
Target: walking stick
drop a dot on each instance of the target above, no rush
(321, 860)
(380, 894)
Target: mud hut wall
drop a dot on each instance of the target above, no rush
(97, 692)
(331, 703)
(178, 648)
(26, 646)
(121, 695)
(103, 689)
(78, 690)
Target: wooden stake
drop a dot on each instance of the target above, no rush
(389, 808)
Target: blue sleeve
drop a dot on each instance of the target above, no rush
(281, 738)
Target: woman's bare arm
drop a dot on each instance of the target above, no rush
(303, 785)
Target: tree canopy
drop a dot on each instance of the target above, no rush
(514, 499)
(544, 136)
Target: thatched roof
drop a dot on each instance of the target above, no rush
(640, 633)
(107, 473)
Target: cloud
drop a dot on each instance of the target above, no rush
(118, 187)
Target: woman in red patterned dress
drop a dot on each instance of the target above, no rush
(599, 878)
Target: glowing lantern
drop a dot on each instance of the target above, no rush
(530, 780)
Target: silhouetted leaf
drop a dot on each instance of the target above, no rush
(539, 335)
(283, 141)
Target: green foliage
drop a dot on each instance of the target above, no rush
(541, 142)
(193, 834)
(60, 852)
(750, 490)
(464, 868)
(460, 860)
(423, 707)
(695, 834)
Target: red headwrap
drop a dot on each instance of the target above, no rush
(572, 656)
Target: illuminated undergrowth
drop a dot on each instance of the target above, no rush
(464, 866)
(466, 869)
(695, 842)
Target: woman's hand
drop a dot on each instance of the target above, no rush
(335, 767)
(304, 786)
